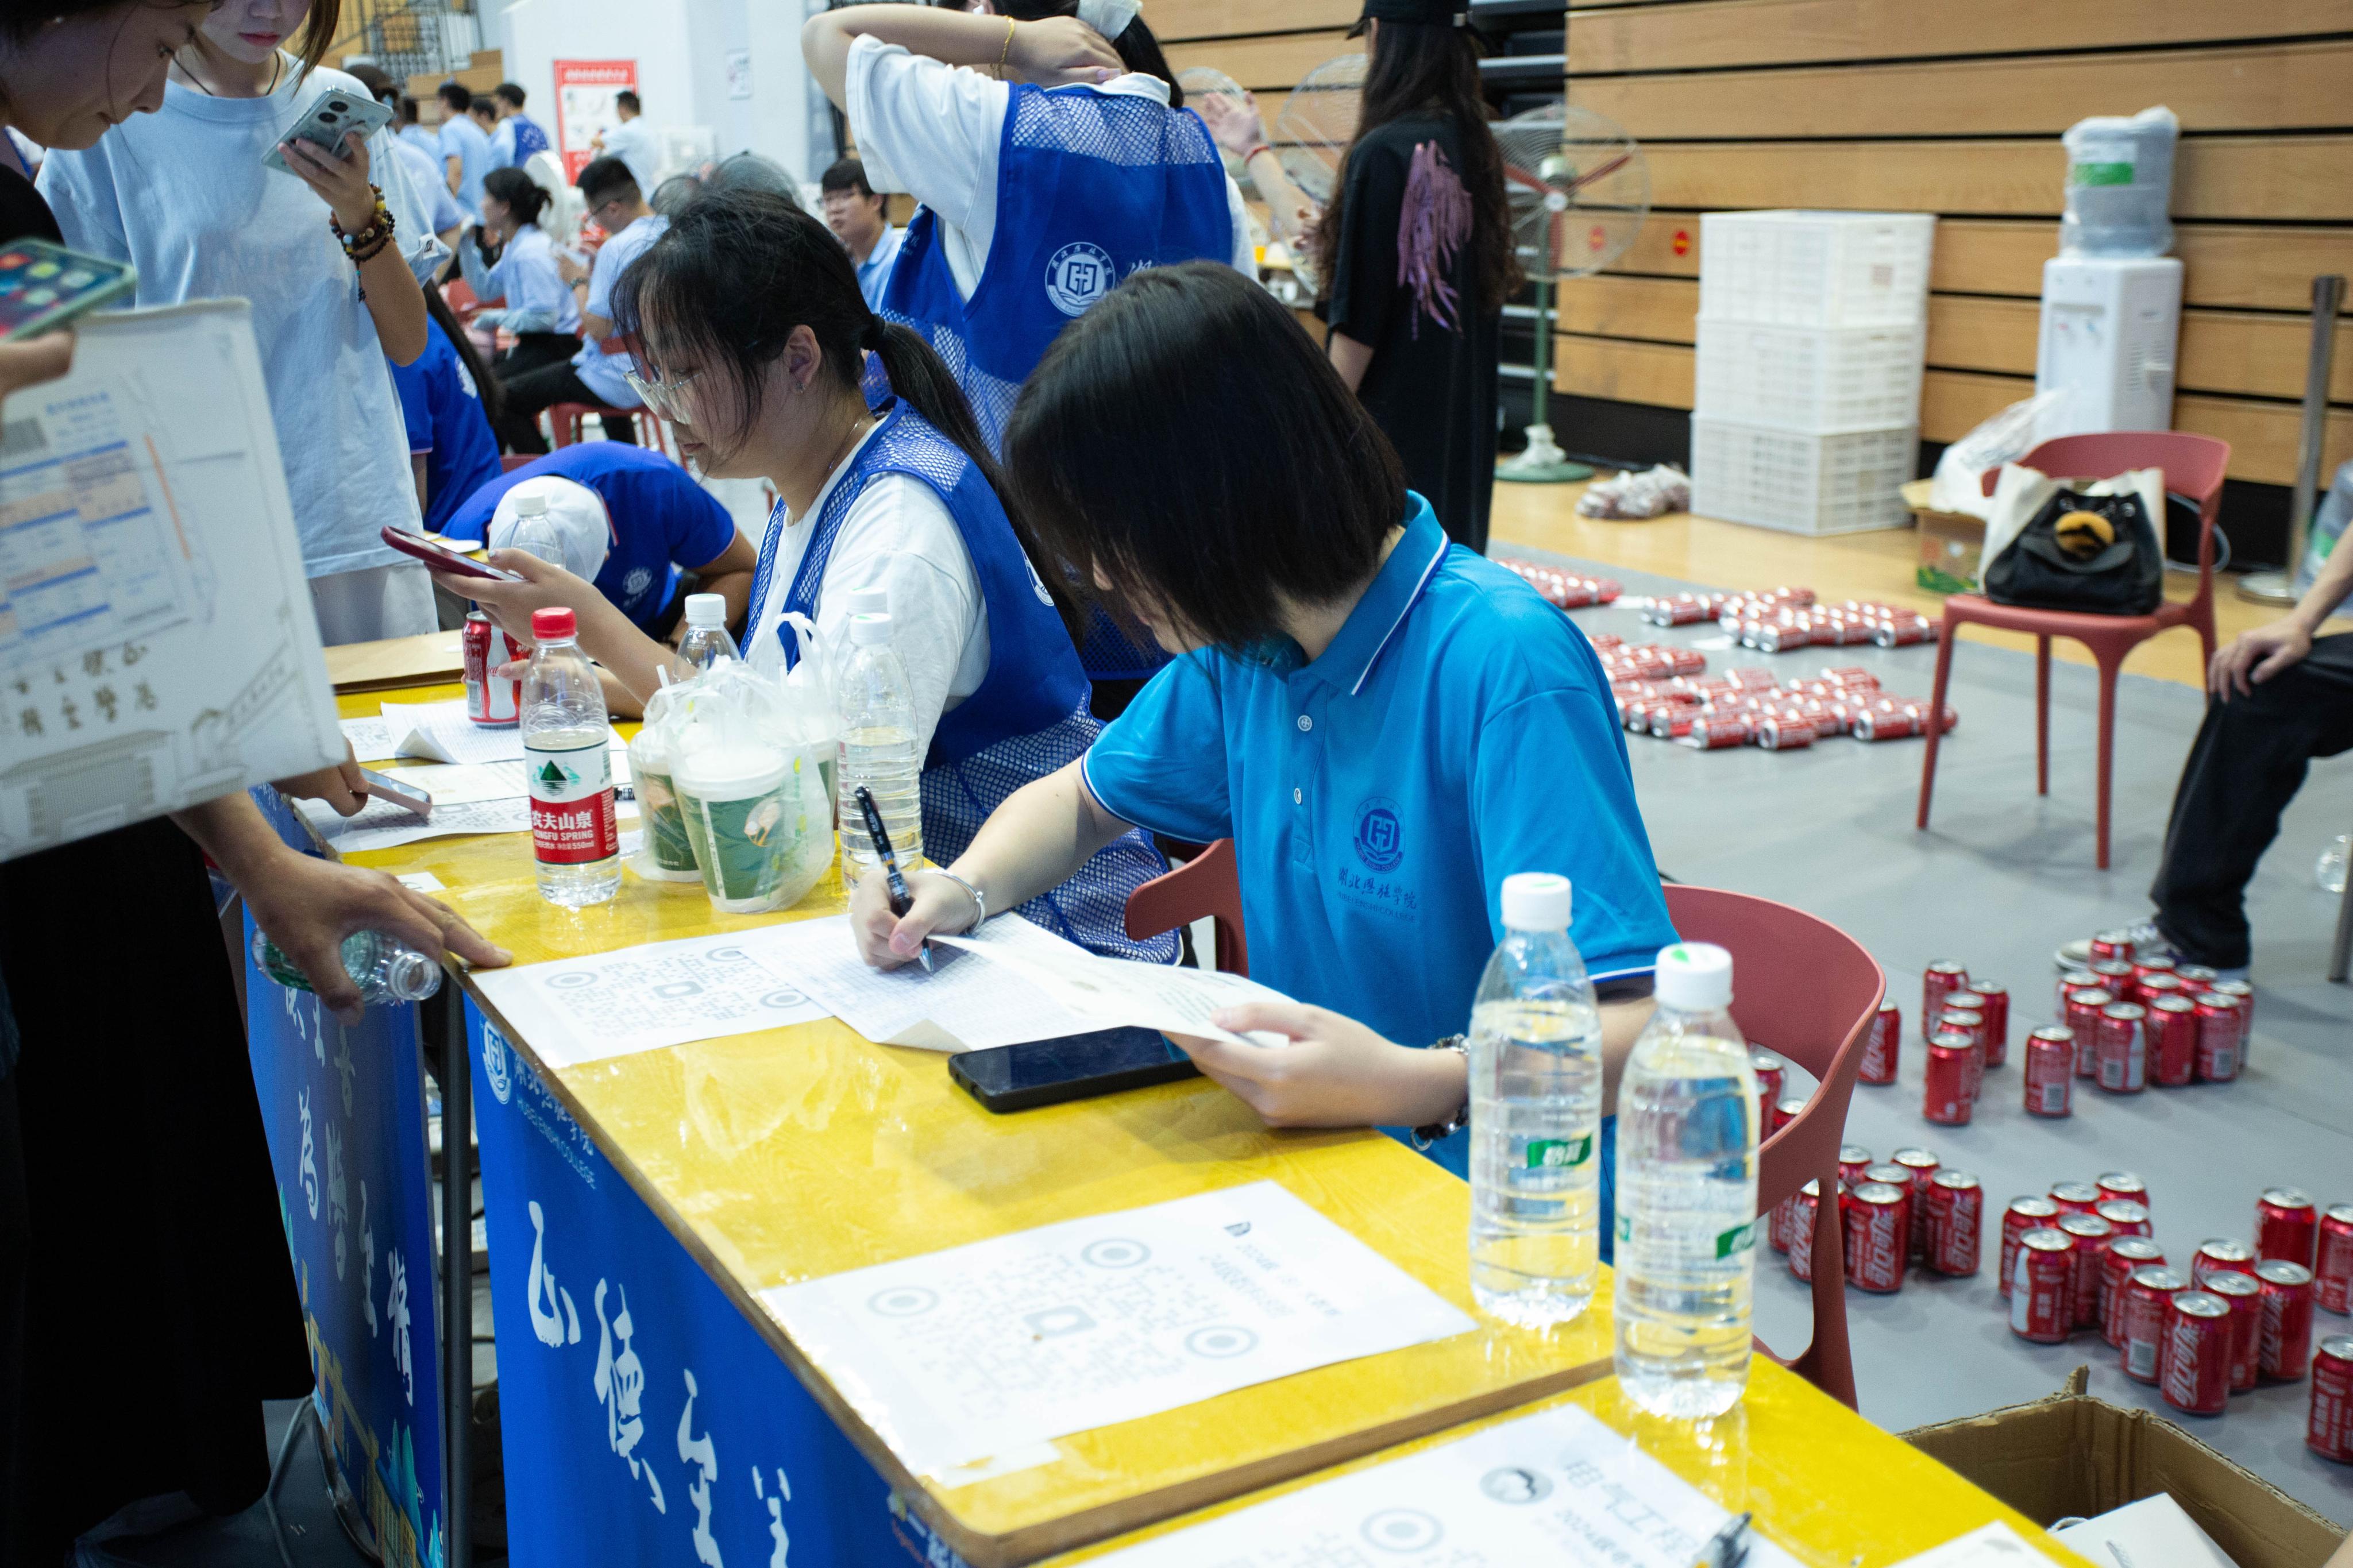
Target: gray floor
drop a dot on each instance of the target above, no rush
(2002, 879)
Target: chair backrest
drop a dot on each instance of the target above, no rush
(1207, 887)
(2193, 465)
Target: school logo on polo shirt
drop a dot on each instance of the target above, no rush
(1079, 275)
(1380, 836)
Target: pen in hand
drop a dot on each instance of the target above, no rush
(900, 900)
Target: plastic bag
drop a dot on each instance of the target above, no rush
(668, 855)
(750, 790)
(2009, 436)
(2120, 184)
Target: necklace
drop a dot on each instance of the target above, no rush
(277, 68)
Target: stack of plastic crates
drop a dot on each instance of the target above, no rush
(1812, 333)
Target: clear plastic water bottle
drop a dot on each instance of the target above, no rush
(565, 738)
(1536, 1115)
(878, 750)
(387, 969)
(706, 640)
(1687, 1137)
(2330, 870)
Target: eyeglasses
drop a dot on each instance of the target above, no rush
(664, 397)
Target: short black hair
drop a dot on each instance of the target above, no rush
(847, 175)
(511, 92)
(601, 179)
(628, 100)
(1187, 440)
(455, 95)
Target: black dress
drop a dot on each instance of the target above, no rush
(147, 1302)
(1405, 284)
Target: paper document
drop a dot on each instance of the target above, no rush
(967, 1003)
(992, 1349)
(635, 999)
(381, 825)
(1112, 992)
(1554, 1487)
(157, 644)
(1994, 1545)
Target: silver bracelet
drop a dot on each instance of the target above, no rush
(979, 899)
(1438, 1132)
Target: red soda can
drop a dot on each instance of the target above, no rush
(2220, 1254)
(2092, 1235)
(1787, 1109)
(2194, 1365)
(1877, 1220)
(490, 702)
(1854, 1160)
(1947, 1101)
(1770, 1070)
(1716, 732)
(2117, 1261)
(2113, 944)
(1917, 1165)
(2127, 1218)
(1882, 1045)
(1956, 1209)
(2050, 1072)
(2330, 1432)
(2287, 1319)
(2172, 1035)
(2246, 997)
(1994, 1001)
(2147, 1293)
(2244, 1294)
(2219, 1031)
(2123, 1047)
(2084, 1010)
(2288, 1225)
(1941, 978)
(1801, 1235)
(2122, 1184)
(2042, 1287)
(2076, 1197)
(2332, 1274)
(2022, 1215)
(2195, 978)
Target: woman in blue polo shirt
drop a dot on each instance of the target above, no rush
(1385, 724)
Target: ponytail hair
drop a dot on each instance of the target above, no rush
(524, 196)
(1137, 48)
(724, 288)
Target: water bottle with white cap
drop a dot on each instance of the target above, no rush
(1536, 1115)
(878, 748)
(706, 640)
(1687, 1137)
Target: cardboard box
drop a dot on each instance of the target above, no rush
(1951, 544)
(2072, 1455)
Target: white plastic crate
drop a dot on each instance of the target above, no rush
(1800, 483)
(1815, 269)
(1816, 379)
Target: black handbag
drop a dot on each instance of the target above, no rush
(2097, 554)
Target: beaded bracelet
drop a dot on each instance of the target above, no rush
(363, 246)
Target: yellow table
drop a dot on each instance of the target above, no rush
(802, 1151)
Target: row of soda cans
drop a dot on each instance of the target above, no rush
(1563, 590)
(1785, 619)
(1750, 705)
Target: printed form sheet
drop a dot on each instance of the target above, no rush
(972, 1361)
(1554, 1487)
(157, 644)
(587, 1009)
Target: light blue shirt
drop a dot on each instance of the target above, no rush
(874, 272)
(599, 371)
(1458, 730)
(463, 140)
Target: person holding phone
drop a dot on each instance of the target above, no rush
(751, 339)
(329, 254)
(1385, 725)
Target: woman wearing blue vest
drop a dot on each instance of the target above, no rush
(1051, 164)
(1385, 725)
(751, 334)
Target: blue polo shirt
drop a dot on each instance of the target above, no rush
(661, 519)
(447, 427)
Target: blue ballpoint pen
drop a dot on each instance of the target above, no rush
(900, 900)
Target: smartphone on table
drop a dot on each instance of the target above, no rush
(1075, 1066)
(440, 556)
(44, 286)
(332, 117)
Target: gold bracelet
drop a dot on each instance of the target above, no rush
(1005, 53)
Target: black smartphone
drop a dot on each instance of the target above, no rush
(1076, 1066)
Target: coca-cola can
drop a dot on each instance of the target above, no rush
(1878, 1228)
(1917, 1165)
(2117, 1260)
(2288, 1225)
(2092, 1235)
(1800, 1232)
(1882, 1045)
(2287, 1319)
(2220, 1030)
(2147, 1293)
(2123, 1047)
(490, 702)
(2194, 1365)
(1947, 1100)
(2195, 978)
(2077, 1197)
(2023, 1214)
(1770, 1070)
(2125, 1185)
(2116, 945)
(2332, 1272)
(2042, 1287)
(1854, 1160)
(2172, 1041)
(1956, 1209)
(2243, 1293)
(2051, 1072)
(1994, 1001)
(2330, 1431)
(2220, 1254)
(2127, 1218)
(2084, 1010)
(2245, 995)
(1941, 978)
(1786, 1110)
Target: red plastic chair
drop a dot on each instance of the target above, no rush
(1208, 886)
(1806, 990)
(2193, 465)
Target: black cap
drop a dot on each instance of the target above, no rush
(1435, 13)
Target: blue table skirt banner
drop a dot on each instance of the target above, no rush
(344, 1110)
(645, 1421)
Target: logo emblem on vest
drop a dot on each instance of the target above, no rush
(1380, 837)
(1078, 275)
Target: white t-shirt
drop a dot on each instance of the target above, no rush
(899, 535)
(599, 371)
(634, 143)
(184, 195)
(934, 130)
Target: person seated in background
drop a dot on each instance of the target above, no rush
(448, 399)
(465, 147)
(632, 142)
(856, 215)
(518, 135)
(2279, 696)
(1385, 725)
(595, 371)
(647, 517)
